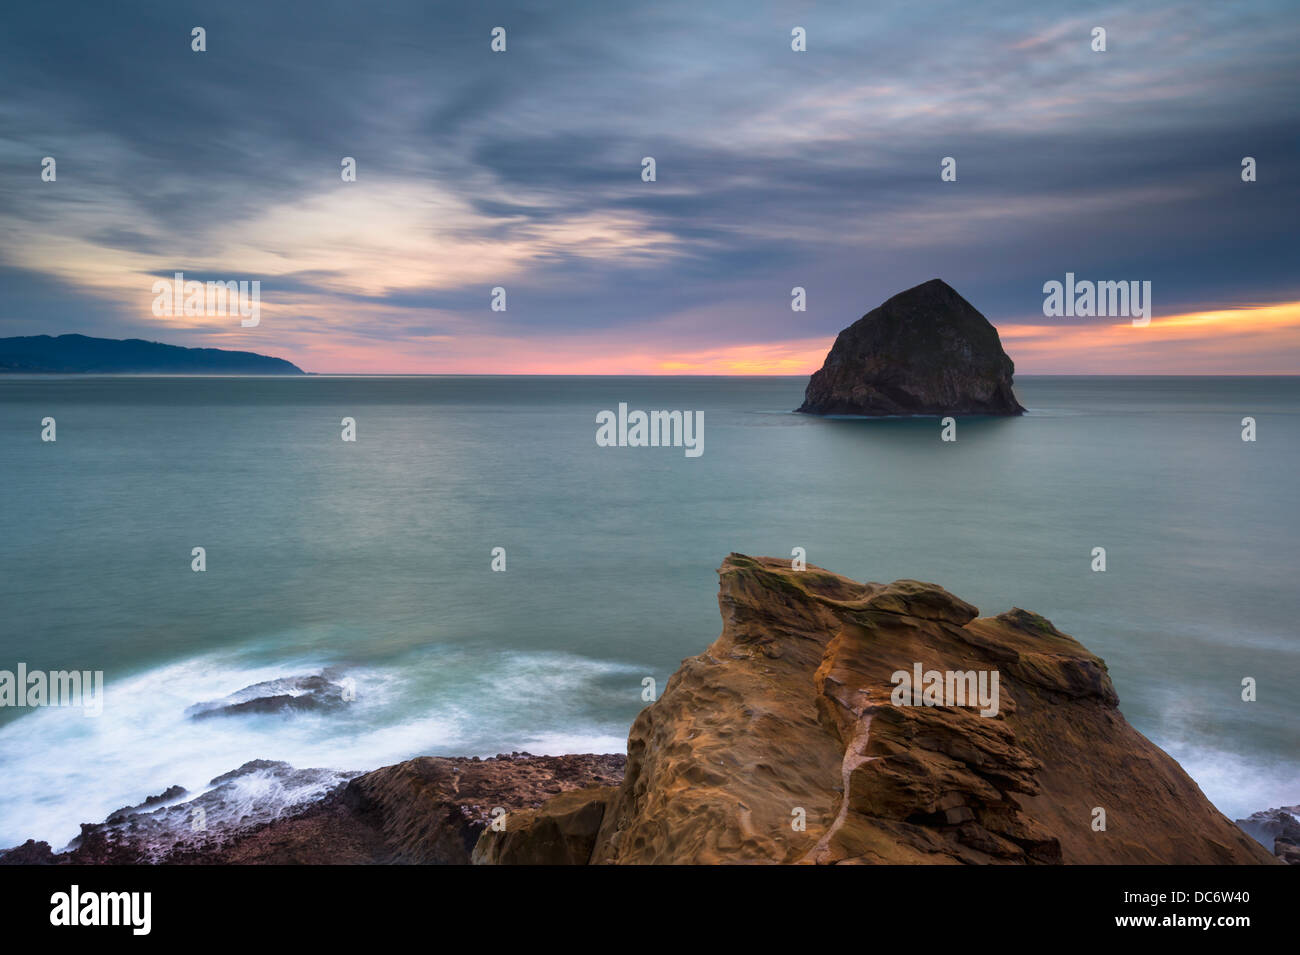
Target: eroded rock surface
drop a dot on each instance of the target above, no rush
(425, 810)
(782, 743)
(432, 809)
(788, 716)
(562, 831)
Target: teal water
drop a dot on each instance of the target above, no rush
(373, 559)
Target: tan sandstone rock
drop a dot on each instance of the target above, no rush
(789, 714)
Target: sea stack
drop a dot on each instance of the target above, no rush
(926, 351)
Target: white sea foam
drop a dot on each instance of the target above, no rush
(60, 771)
(1237, 786)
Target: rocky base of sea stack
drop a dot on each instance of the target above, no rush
(784, 742)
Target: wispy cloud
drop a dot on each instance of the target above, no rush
(522, 170)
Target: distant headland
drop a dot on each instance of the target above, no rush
(83, 355)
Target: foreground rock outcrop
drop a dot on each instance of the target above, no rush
(433, 809)
(425, 810)
(781, 744)
(926, 351)
(789, 740)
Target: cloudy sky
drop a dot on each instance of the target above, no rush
(775, 169)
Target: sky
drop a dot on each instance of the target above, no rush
(522, 170)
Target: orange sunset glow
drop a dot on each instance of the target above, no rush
(1248, 340)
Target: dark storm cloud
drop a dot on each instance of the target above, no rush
(774, 169)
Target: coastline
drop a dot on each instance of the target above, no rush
(785, 712)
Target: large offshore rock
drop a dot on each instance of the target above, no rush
(926, 351)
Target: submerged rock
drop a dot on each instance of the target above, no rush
(315, 693)
(926, 351)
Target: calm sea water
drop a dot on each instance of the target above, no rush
(374, 558)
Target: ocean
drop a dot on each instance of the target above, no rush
(372, 561)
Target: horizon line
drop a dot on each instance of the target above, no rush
(459, 374)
